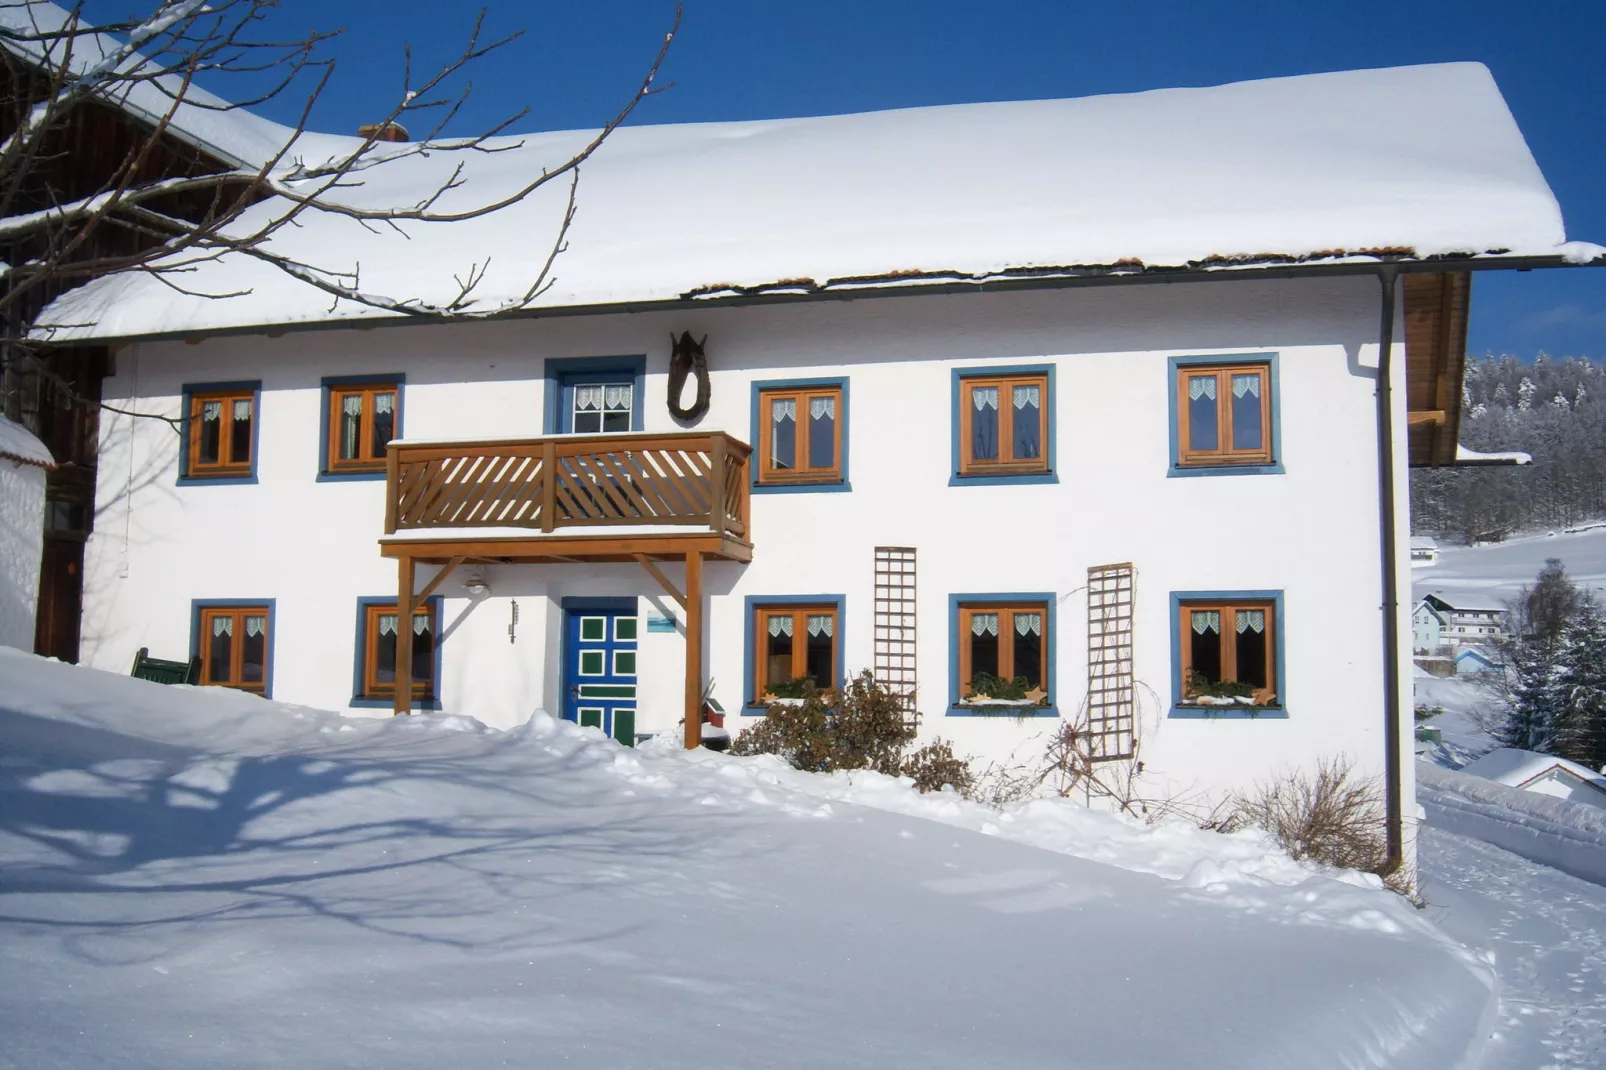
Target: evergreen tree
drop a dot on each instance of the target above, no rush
(1581, 723)
(1534, 698)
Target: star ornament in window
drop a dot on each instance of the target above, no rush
(1037, 696)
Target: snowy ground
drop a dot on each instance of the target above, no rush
(199, 879)
(1501, 569)
(1547, 932)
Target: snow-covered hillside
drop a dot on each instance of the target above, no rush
(200, 878)
(1502, 569)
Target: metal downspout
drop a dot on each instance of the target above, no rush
(1388, 276)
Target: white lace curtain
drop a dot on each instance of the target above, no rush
(1029, 623)
(222, 625)
(781, 626)
(1206, 620)
(1027, 396)
(984, 397)
(1251, 620)
(1246, 384)
(984, 623)
(819, 407)
(211, 410)
(782, 410)
(387, 624)
(254, 626)
(823, 624)
(614, 397)
(384, 403)
(1201, 386)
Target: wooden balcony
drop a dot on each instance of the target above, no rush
(635, 497)
(569, 497)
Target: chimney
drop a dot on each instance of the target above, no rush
(383, 132)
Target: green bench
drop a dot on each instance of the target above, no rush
(160, 671)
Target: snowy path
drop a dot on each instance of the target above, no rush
(1548, 934)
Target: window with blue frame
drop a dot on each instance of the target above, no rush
(360, 420)
(378, 623)
(1002, 424)
(220, 431)
(1227, 652)
(800, 434)
(1224, 415)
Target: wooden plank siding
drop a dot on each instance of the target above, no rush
(1436, 309)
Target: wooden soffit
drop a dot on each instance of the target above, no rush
(1436, 308)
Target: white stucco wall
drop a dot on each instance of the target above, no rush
(22, 525)
(1311, 532)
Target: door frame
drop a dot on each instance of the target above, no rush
(581, 604)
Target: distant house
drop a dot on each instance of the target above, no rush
(1424, 551)
(1472, 660)
(1470, 620)
(1427, 628)
(1543, 774)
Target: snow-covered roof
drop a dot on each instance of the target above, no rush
(1408, 161)
(18, 444)
(232, 135)
(1424, 542)
(1467, 601)
(1465, 456)
(1476, 652)
(1515, 768)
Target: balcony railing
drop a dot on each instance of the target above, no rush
(696, 479)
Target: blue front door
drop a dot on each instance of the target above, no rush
(599, 659)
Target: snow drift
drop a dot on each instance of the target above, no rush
(1564, 835)
(202, 878)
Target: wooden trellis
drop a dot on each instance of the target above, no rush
(895, 622)
(1111, 701)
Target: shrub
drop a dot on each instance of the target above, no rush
(935, 766)
(860, 727)
(1329, 817)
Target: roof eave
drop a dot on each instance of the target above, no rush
(895, 284)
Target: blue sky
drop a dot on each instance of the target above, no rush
(749, 59)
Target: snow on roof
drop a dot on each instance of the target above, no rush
(1413, 161)
(18, 444)
(1466, 456)
(1468, 602)
(1423, 542)
(231, 134)
(1514, 767)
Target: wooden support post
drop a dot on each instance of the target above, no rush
(430, 588)
(404, 635)
(663, 581)
(392, 489)
(694, 649)
(549, 485)
(716, 506)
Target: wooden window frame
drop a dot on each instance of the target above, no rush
(805, 472)
(335, 394)
(237, 611)
(227, 466)
(372, 689)
(799, 612)
(1224, 456)
(1269, 696)
(1006, 651)
(1006, 464)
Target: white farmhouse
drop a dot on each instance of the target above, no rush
(1424, 551)
(24, 460)
(1470, 619)
(1102, 404)
(1427, 628)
